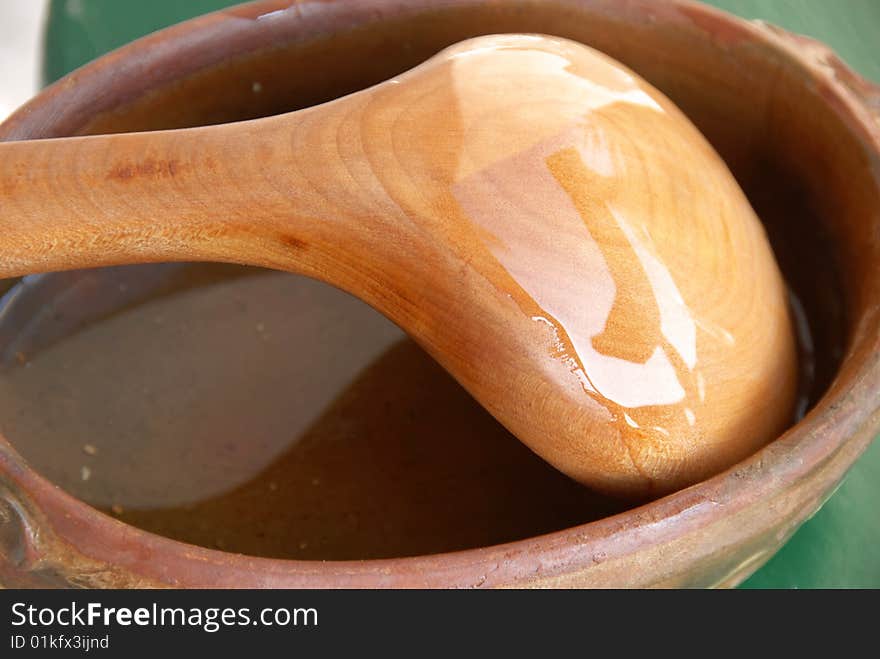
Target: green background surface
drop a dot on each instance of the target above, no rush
(840, 545)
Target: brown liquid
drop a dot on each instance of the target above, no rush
(261, 413)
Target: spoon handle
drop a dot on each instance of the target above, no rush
(223, 193)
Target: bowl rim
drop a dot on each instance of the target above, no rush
(829, 438)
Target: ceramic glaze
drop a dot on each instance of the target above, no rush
(546, 224)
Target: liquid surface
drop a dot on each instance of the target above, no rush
(261, 413)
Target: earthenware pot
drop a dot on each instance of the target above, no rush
(798, 129)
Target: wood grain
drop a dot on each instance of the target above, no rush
(547, 225)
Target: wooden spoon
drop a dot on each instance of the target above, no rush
(543, 222)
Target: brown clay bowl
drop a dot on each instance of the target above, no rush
(799, 130)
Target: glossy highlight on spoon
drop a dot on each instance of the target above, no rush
(548, 226)
(632, 342)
